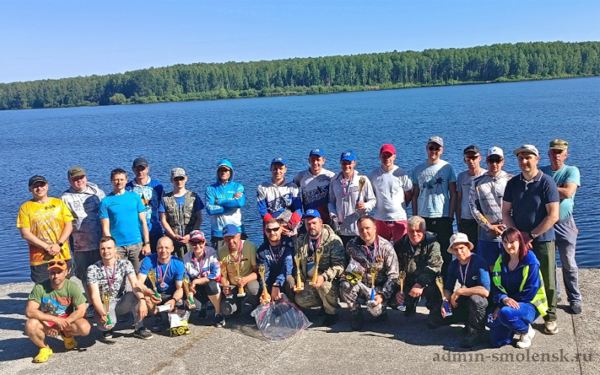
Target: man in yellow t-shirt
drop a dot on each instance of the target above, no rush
(243, 253)
(46, 224)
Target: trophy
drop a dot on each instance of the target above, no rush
(401, 278)
(361, 184)
(299, 283)
(106, 303)
(266, 298)
(440, 283)
(373, 269)
(152, 277)
(188, 293)
(237, 266)
(318, 255)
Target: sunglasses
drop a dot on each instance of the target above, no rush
(467, 158)
(494, 160)
(201, 242)
(179, 178)
(272, 230)
(434, 148)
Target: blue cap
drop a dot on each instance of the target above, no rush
(278, 160)
(348, 155)
(316, 151)
(230, 230)
(312, 213)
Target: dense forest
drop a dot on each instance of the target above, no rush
(298, 76)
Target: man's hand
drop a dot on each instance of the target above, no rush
(242, 282)
(400, 298)
(185, 239)
(237, 195)
(104, 318)
(155, 301)
(454, 297)
(528, 240)
(172, 303)
(285, 230)
(378, 300)
(320, 281)
(416, 291)
(496, 230)
(61, 323)
(276, 293)
(495, 313)
(146, 250)
(511, 303)
(299, 290)
(193, 288)
(52, 332)
(360, 205)
(142, 309)
(188, 304)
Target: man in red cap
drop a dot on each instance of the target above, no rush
(393, 189)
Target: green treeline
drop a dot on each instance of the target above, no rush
(298, 76)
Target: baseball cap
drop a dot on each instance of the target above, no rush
(559, 144)
(230, 230)
(387, 148)
(459, 238)
(57, 264)
(471, 148)
(495, 151)
(140, 162)
(348, 156)
(35, 179)
(312, 213)
(527, 148)
(316, 151)
(437, 140)
(76, 172)
(177, 172)
(278, 160)
(197, 236)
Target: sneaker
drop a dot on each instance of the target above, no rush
(70, 343)
(330, 319)
(575, 308)
(525, 341)
(142, 333)
(107, 335)
(470, 339)
(551, 327)
(158, 324)
(202, 314)
(90, 311)
(357, 321)
(219, 321)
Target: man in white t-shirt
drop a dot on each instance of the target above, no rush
(464, 219)
(393, 188)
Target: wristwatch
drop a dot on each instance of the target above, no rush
(60, 244)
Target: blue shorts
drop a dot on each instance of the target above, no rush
(490, 251)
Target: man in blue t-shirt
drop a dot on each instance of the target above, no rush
(530, 204)
(567, 179)
(151, 192)
(122, 216)
(168, 277)
(469, 301)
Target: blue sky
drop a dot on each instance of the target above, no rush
(56, 39)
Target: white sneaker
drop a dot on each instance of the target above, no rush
(525, 341)
(551, 328)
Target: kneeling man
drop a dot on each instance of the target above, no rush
(277, 255)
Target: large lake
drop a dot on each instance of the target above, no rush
(250, 132)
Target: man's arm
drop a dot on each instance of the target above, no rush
(566, 190)
(32, 239)
(105, 227)
(452, 190)
(166, 226)
(476, 290)
(67, 230)
(549, 220)
(415, 198)
(95, 298)
(459, 195)
(145, 233)
(32, 311)
(198, 219)
(506, 215)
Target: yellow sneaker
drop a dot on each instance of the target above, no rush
(43, 355)
(70, 343)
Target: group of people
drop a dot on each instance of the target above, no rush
(327, 237)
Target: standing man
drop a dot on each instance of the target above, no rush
(224, 201)
(277, 255)
(83, 200)
(46, 224)
(434, 198)
(151, 192)
(180, 212)
(369, 254)
(280, 199)
(314, 184)
(319, 238)
(531, 205)
(568, 180)
(348, 201)
(466, 222)
(485, 201)
(55, 307)
(122, 213)
(393, 189)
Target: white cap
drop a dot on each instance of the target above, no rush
(527, 148)
(495, 151)
(459, 238)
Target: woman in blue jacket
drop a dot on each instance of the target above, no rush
(519, 292)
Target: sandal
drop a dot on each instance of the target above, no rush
(70, 343)
(43, 355)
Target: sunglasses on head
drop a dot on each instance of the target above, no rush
(494, 160)
(56, 263)
(434, 148)
(271, 230)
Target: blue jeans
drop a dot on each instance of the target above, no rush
(510, 321)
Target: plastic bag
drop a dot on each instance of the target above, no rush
(280, 320)
(178, 321)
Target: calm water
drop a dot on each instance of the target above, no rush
(250, 132)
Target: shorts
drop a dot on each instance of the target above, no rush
(489, 251)
(51, 324)
(39, 273)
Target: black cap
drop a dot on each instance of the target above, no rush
(35, 179)
(471, 148)
(140, 162)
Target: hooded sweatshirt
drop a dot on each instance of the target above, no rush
(512, 280)
(227, 210)
(85, 207)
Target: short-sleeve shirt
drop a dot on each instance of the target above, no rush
(57, 302)
(529, 200)
(123, 212)
(171, 275)
(198, 205)
(151, 194)
(46, 221)
(463, 184)
(389, 188)
(248, 261)
(98, 274)
(567, 173)
(475, 273)
(434, 194)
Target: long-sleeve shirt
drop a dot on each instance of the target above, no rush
(422, 263)
(273, 200)
(228, 209)
(344, 195)
(278, 261)
(208, 266)
(485, 202)
(512, 280)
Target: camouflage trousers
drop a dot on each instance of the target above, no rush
(350, 293)
(326, 296)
